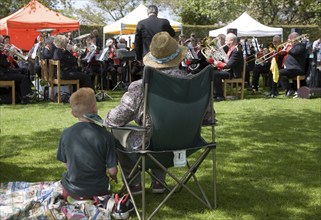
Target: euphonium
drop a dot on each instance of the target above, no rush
(15, 51)
(91, 53)
(192, 57)
(213, 50)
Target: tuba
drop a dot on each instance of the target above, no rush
(213, 50)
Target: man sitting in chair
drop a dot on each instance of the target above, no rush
(68, 63)
(165, 54)
(234, 64)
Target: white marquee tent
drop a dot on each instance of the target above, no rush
(127, 24)
(248, 27)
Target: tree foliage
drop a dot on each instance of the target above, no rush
(8, 7)
(108, 12)
(192, 12)
(289, 12)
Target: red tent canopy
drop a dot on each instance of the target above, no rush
(22, 25)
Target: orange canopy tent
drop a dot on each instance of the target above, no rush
(23, 25)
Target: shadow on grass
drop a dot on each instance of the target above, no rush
(271, 171)
(269, 168)
(30, 157)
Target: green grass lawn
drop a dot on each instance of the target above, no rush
(268, 156)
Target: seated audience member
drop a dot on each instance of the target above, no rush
(68, 63)
(165, 54)
(234, 65)
(294, 62)
(8, 73)
(87, 150)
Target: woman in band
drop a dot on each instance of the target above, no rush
(7, 73)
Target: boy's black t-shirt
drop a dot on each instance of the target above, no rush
(88, 150)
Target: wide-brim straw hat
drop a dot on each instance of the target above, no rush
(165, 52)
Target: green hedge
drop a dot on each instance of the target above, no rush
(203, 30)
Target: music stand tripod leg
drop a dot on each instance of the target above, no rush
(121, 82)
(102, 91)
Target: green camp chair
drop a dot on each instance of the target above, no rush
(177, 107)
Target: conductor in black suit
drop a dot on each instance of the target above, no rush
(147, 28)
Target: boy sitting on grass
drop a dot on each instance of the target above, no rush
(87, 150)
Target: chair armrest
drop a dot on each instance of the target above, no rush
(98, 120)
(128, 127)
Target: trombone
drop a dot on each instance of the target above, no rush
(280, 48)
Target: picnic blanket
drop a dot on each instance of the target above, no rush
(43, 200)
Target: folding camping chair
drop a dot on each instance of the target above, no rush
(176, 134)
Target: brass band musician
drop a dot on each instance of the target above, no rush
(262, 67)
(68, 63)
(234, 64)
(8, 73)
(110, 61)
(294, 62)
(249, 52)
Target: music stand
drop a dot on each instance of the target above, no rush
(120, 82)
(125, 56)
(103, 92)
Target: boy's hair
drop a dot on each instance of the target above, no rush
(82, 101)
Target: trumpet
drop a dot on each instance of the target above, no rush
(10, 48)
(279, 49)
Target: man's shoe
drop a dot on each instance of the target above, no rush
(157, 187)
(219, 98)
(25, 100)
(136, 189)
(290, 93)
